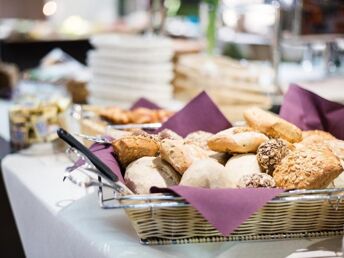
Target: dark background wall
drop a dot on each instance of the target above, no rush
(10, 245)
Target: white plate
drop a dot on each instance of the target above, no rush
(141, 77)
(95, 60)
(131, 41)
(124, 56)
(132, 85)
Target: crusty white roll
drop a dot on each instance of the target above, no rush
(237, 140)
(240, 165)
(206, 173)
(146, 172)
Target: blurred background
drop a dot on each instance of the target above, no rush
(253, 48)
(112, 52)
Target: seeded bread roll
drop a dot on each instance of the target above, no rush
(270, 154)
(272, 125)
(146, 172)
(199, 138)
(206, 173)
(133, 147)
(236, 140)
(180, 155)
(256, 180)
(315, 137)
(312, 167)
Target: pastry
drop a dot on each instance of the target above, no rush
(180, 155)
(206, 173)
(236, 140)
(114, 115)
(240, 165)
(133, 147)
(146, 172)
(256, 180)
(270, 154)
(117, 115)
(272, 125)
(311, 167)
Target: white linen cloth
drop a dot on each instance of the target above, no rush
(57, 219)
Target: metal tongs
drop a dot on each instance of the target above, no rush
(101, 169)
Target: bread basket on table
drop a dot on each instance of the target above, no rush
(165, 218)
(168, 218)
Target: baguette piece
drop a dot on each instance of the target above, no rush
(272, 125)
(311, 167)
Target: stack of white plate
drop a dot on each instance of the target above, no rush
(127, 67)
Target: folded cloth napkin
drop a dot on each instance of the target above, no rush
(309, 111)
(145, 103)
(200, 113)
(225, 209)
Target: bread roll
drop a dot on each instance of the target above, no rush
(256, 180)
(272, 125)
(270, 154)
(315, 137)
(312, 167)
(206, 173)
(337, 148)
(236, 140)
(180, 155)
(169, 134)
(133, 147)
(146, 172)
(200, 138)
(240, 165)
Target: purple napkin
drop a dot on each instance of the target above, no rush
(200, 113)
(142, 102)
(309, 111)
(105, 153)
(225, 209)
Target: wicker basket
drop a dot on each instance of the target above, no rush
(167, 219)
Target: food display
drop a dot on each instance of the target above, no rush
(95, 119)
(203, 169)
(268, 152)
(36, 122)
(117, 115)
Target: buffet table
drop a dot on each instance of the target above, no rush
(59, 219)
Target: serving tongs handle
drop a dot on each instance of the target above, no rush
(100, 168)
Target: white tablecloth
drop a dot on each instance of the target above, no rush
(57, 219)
